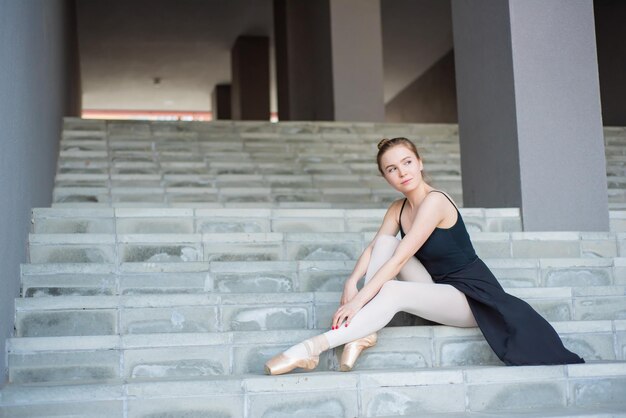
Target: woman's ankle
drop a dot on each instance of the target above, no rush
(311, 347)
(320, 344)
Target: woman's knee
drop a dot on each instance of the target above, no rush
(387, 240)
(389, 288)
(389, 296)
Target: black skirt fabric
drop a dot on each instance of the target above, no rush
(514, 330)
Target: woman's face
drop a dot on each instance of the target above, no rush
(401, 168)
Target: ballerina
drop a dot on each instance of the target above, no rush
(439, 278)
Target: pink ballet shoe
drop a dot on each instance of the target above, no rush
(352, 350)
(281, 363)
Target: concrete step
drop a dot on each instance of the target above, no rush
(101, 145)
(76, 127)
(211, 312)
(90, 279)
(567, 412)
(198, 220)
(79, 125)
(108, 410)
(232, 197)
(349, 165)
(157, 248)
(411, 392)
(100, 199)
(170, 220)
(190, 355)
(91, 203)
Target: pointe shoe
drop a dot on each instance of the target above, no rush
(281, 363)
(352, 350)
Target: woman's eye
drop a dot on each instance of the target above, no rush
(391, 170)
(407, 162)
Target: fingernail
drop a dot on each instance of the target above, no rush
(346, 324)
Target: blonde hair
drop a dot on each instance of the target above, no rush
(386, 144)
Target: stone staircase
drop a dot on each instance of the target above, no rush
(177, 258)
(258, 164)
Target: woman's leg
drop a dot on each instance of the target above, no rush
(441, 303)
(418, 295)
(384, 248)
(415, 294)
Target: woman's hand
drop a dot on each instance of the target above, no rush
(349, 292)
(345, 313)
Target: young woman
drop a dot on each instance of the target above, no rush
(440, 279)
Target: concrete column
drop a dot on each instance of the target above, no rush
(304, 79)
(357, 57)
(74, 105)
(220, 102)
(529, 111)
(250, 91)
(329, 60)
(37, 61)
(611, 42)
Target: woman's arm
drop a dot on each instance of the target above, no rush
(429, 215)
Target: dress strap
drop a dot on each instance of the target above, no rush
(439, 191)
(400, 216)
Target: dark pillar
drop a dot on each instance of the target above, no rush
(221, 105)
(74, 104)
(329, 60)
(529, 111)
(304, 78)
(611, 41)
(250, 99)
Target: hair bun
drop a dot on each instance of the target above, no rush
(383, 142)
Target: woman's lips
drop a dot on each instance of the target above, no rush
(406, 181)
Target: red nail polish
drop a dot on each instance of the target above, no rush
(346, 324)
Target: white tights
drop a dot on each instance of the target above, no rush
(415, 293)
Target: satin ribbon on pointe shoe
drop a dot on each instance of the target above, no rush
(281, 363)
(352, 350)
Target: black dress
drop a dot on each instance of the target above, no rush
(514, 330)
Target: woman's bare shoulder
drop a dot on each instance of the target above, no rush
(440, 199)
(395, 206)
(439, 207)
(393, 212)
